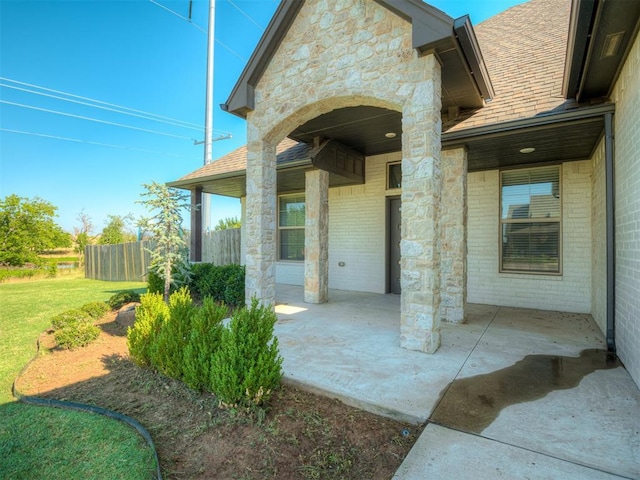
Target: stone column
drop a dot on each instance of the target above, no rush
(453, 228)
(316, 237)
(421, 196)
(260, 220)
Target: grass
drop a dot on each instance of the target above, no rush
(38, 442)
(41, 442)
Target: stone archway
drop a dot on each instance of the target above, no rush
(311, 74)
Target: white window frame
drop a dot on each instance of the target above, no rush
(557, 220)
(282, 228)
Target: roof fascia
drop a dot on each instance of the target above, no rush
(432, 29)
(468, 42)
(453, 139)
(580, 23)
(591, 22)
(430, 26)
(241, 99)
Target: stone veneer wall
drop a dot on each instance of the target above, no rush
(626, 94)
(453, 225)
(348, 53)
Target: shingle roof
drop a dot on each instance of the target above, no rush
(524, 49)
(287, 151)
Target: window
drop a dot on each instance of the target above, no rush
(530, 220)
(394, 175)
(291, 227)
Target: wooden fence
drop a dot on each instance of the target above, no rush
(130, 261)
(124, 262)
(221, 247)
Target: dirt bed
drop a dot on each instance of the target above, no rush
(300, 436)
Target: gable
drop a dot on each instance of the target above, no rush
(465, 78)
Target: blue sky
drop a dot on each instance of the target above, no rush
(125, 53)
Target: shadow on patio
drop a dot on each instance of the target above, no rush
(510, 394)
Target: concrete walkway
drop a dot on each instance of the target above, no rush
(513, 393)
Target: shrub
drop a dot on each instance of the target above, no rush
(155, 283)
(123, 297)
(247, 367)
(204, 338)
(234, 287)
(95, 309)
(70, 317)
(222, 283)
(150, 315)
(19, 273)
(78, 334)
(167, 347)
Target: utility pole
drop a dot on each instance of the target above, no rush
(208, 121)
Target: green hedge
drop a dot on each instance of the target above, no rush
(222, 283)
(239, 362)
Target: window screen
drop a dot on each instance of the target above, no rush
(530, 220)
(291, 212)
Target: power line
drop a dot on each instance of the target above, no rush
(76, 140)
(145, 117)
(246, 15)
(178, 15)
(154, 116)
(81, 117)
(223, 45)
(98, 101)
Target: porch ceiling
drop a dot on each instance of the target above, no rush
(289, 180)
(360, 128)
(561, 137)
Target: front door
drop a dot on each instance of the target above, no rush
(395, 235)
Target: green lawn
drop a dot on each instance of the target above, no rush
(38, 442)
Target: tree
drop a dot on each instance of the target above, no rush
(227, 223)
(27, 228)
(82, 234)
(115, 231)
(170, 250)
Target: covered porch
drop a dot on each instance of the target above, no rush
(510, 394)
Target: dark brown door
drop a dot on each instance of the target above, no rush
(395, 225)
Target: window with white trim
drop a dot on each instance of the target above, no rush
(291, 210)
(530, 226)
(394, 175)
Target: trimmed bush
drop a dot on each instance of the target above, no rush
(166, 352)
(247, 367)
(95, 310)
(75, 335)
(70, 317)
(222, 283)
(204, 338)
(123, 297)
(155, 283)
(150, 315)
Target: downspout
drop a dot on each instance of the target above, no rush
(611, 237)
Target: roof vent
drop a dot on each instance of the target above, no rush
(611, 45)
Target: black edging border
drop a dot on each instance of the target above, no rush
(82, 407)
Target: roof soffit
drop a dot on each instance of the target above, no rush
(432, 31)
(601, 34)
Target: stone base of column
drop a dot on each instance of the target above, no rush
(423, 341)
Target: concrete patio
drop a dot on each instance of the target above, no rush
(513, 393)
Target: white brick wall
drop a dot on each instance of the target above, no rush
(570, 292)
(357, 234)
(626, 94)
(357, 231)
(599, 240)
